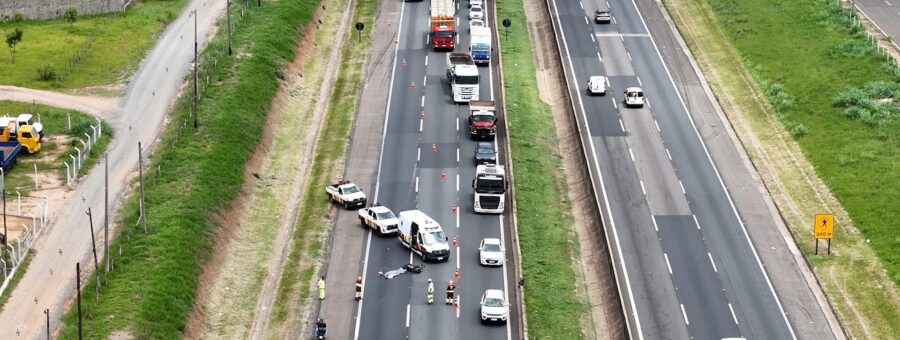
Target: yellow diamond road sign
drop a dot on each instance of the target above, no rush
(824, 226)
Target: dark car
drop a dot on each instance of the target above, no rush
(602, 17)
(485, 154)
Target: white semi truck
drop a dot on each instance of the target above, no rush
(424, 236)
(490, 188)
(462, 74)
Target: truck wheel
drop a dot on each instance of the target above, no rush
(363, 222)
(346, 205)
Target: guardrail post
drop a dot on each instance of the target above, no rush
(99, 128)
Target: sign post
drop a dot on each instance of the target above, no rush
(823, 228)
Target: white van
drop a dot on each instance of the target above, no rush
(424, 236)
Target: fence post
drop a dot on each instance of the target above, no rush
(35, 177)
(99, 128)
(18, 203)
(94, 128)
(12, 253)
(69, 120)
(87, 148)
(74, 167)
(68, 176)
(79, 156)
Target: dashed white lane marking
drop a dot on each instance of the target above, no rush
(421, 124)
(592, 38)
(657, 125)
(614, 21)
(615, 105)
(732, 314)
(642, 188)
(655, 227)
(696, 222)
(424, 78)
(713, 262)
(629, 55)
(682, 187)
(647, 101)
(457, 182)
(417, 183)
(457, 156)
(407, 315)
(607, 4)
(667, 263)
(458, 303)
(457, 217)
(621, 124)
(888, 3)
(418, 154)
(686, 322)
(639, 81)
(426, 60)
(581, 4)
(669, 153)
(621, 38)
(457, 123)
(586, 22)
(599, 57)
(423, 99)
(631, 153)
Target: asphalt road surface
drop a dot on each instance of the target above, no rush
(410, 177)
(689, 267)
(50, 281)
(884, 13)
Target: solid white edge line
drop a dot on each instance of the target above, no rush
(387, 116)
(637, 321)
(733, 316)
(721, 182)
(642, 188)
(683, 313)
(505, 279)
(667, 263)
(712, 262)
(682, 187)
(407, 315)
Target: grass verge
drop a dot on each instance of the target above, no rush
(153, 285)
(107, 46)
(23, 268)
(331, 149)
(59, 142)
(546, 237)
(789, 105)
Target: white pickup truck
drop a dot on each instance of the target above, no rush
(379, 218)
(347, 194)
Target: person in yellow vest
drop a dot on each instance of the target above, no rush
(430, 291)
(451, 289)
(322, 288)
(359, 288)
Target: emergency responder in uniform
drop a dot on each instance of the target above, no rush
(451, 289)
(359, 288)
(430, 291)
(322, 288)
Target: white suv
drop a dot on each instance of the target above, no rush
(494, 307)
(490, 252)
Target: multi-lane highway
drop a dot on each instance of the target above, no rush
(412, 175)
(681, 248)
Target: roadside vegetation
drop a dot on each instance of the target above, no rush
(308, 246)
(90, 50)
(193, 174)
(59, 142)
(808, 65)
(546, 236)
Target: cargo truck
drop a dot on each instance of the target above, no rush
(490, 188)
(482, 121)
(8, 153)
(462, 75)
(443, 24)
(480, 46)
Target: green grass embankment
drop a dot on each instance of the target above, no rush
(192, 175)
(330, 153)
(546, 237)
(109, 46)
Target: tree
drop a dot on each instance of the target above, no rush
(12, 39)
(71, 15)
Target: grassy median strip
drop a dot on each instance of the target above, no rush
(297, 279)
(93, 50)
(193, 174)
(807, 65)
(546, 236)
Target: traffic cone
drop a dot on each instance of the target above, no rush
(443, 174)
(455, 244)
(456, 274)
(412, 85)
(422, 115)
(434, 148)
(403, 62)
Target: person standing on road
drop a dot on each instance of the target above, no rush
(359, 288)
(322, 288)
(430, 291)
(451, 289)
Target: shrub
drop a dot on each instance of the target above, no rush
(71, 15)
(854, 112)
(852, 49)
(794, 128)
(46, 73)
(18, 17)
(778, 97)
(880, 89)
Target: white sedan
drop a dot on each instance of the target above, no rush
(476, 12)
(476, 3)
(475, 23)
(490, 252)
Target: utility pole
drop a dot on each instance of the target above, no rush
(196, 85)
(94, 245)
(106, 213)
(3, 193)
(141, 176)
(228, 20)
(78, 294)
(47, 313)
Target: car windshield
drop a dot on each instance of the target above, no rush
(491, 248)
(476, 9)
(477, 23)
(485, 148)
(351, 190)
(482, 118)
(433, 238)
(493, 302)
(386, 215)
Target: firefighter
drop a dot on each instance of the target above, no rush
(430, 291)
(451, 289)
(359, 288)
(322, 288)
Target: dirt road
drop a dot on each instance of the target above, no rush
(146, 102)
(105, 108)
